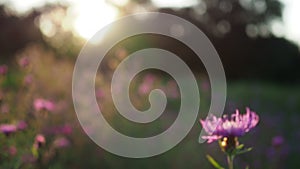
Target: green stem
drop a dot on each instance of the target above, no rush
(230, 161)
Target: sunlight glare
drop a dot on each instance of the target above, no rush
(93, 16)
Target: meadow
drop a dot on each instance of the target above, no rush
(39, 128)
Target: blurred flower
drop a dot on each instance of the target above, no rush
(147, 83)
(7, 129)
(100, 93)
(12, 150)
(3, 69)
(21, 125)
(65, 130)
(24, 62)
(39, 141)
(42, 104)
(144, 88)
(61, 142)
(172, 89)
(225, 127)
(28, 79)
(277, 141)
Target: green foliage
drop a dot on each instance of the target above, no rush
(214, 162)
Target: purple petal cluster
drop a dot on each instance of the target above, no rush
(61, 142)
(42, 104)
(8, 128)
(3, 69)
(235, 126)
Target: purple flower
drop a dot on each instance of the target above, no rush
(100, 94)
(21, 125)
(277, 141)
(42, 104)
(3, 69)
(236, 126)
(28, 79)
(61, 142)
(39, 141)
(7, 129)
(24, 62)
(147, 84)
(65, 130)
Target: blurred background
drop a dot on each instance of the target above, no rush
(257, 41)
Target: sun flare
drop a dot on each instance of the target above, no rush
(93, 16)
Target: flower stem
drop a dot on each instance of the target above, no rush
(230, 161)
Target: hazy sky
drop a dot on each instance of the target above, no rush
(290, 28)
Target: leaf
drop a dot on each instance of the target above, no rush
(240, 146)
(247, 167)
(244, 150)
(34, 152)
(214, 162)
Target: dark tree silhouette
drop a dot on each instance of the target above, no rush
(240, 31)
(16, 32)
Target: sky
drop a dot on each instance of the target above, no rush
(291, 15)
(86, 27)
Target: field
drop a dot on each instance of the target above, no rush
(36, 98)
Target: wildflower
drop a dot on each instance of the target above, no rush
(235, 126)
(66, 129)
(62, 130)
(3, 69)
(21, 125)
(24, 62)
(28, 79)
(42, 104)
(147, 84)
(61, 142)
(227, 130)
(100, 93)
(277, 141)
(12, 150)
(7, 129)
(39, 141)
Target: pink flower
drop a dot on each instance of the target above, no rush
(147, 84)
(7, 129)
(24, 62)
(28, 79)
(42, 104)
(236, 126)
(145, 88)
(65, 130)
(12, 150)
(61, 142)
(3, 69)
(39, 141)
(21, 125)
(100, 93)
